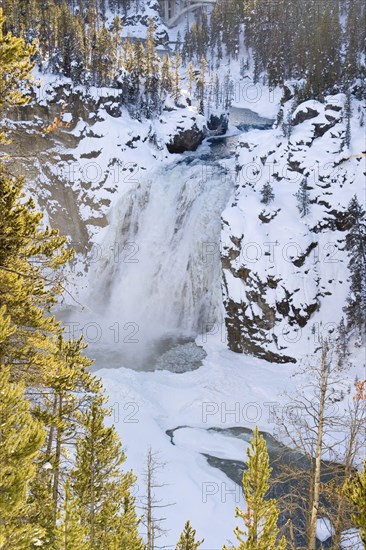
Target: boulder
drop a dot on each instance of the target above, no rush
(186, 140)
(218, 125)
(304, 114)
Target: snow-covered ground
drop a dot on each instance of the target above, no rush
(169, 210)
(228, 390)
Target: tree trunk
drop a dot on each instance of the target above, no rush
(92, 495)
(318, 454)
(52, 429)
(56, 467)
(150, 537)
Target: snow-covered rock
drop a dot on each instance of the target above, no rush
(186, 139)
(351, 540)
(285, 275)
(79, 149)
(324, 529)
(218, 123)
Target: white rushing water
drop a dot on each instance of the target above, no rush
(163, 278)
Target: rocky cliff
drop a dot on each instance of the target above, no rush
(285, 276)
(79, 150)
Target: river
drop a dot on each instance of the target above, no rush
(162, 286)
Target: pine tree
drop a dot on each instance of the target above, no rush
(70, 533)
(187, 540)
(92, 23)
(219, 53)
(260, 519)
(72, 389)
(78, 57)
(70, 44)
(227, 91)
(30, 283)
(105, 58)
(166, 77)
(201, 86)
(54, 373)
(356, 248)
(21, 437)
(267, 193)
(29, 257)
(332, 55)
(150, 49)
(242, 68)
(128, 58)
(139, 59)
(15, 67)
(342, 342)
(47, 32)
(152, 82)
(191, 77)
(187, 50)
(177, 62)
(303, 199)
(348, 115)
(287, 124)
(203, 35)
(178, 43)
(352, 46)
(29, 286)
(217, 94)
(275, 67)
(117, 34)
(211, 92)
(105, 504)
(355, 491)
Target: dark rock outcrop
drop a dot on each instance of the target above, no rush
(218, 125)
(186, 140)
(247, 335)
(321, 129)
(287, 94)
(305, 114)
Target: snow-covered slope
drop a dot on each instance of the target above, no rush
(285, 274)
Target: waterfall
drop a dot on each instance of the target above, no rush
(164, 274)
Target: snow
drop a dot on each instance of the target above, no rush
(269, 249)
(305, 106)
(196, 400)
(231, 389)
(324, 529)
(351, 540)
(67, 117)
(199, 440)
(228, 389)
(256, 97)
